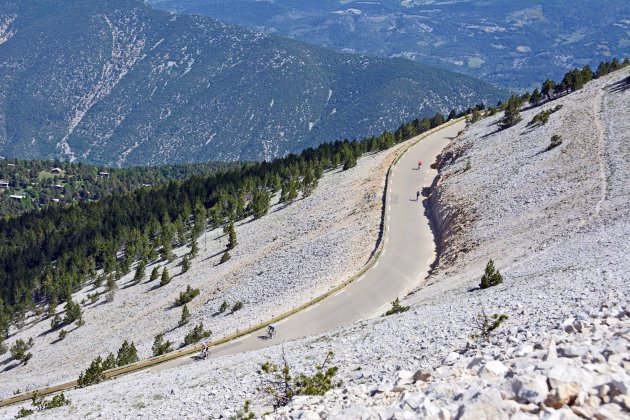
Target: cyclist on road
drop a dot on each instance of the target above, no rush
(271, 330)
(417, 195)
(419, 164)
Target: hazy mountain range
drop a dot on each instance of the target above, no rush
(120, 83)
(509, 43)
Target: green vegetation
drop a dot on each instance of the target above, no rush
(186, 296)
(185, 318)
(55, 183)
(140, 272)
(196, 334)
(160, 346)
(224, 306)
(396, 308)
(244, 413)
(166, 278)
(62, 334)
(185, 264)
(491, 277)
(56, 402)
(225, 257)
(237, 306)
(94, 374)
(512, 112)
(556, 140)
(232, 242)
(20, 350)
(280, 386)
(543, 116)
(155, 273)
(485, 325)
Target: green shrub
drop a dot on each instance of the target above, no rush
(166, 278)
(185, 264)
(155, 273)
(160, 346)
(485, 325)
(224, 306)
(225, 258)
(186, 296)
(140, 271)
(23, 412)
(396, 308)
(73, 312)
(62, 334)
(280, 386)
(127, 354)
(232, 242)
(237, 306)
(185, 316)
(491, 277)
(556, 140)
(196, 334)
(20, 350)
(93, 374)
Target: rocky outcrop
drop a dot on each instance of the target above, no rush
(580, 369)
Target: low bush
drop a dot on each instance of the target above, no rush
(196, 334)
(485, 325)
(396, 308)
(186, 296)
(160, 346)
(556, 140)
(237, 306)
(491, 277)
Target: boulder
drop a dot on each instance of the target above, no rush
(530, 388)
(493, 369)
(422, 375)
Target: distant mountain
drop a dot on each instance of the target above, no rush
(509, 43)
(117, 82)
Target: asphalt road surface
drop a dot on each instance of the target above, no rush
(407, 254)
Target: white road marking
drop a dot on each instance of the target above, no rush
(242, 338)
(360, 278)
(339, 292)
(386, 240)
(376, 264)
(311, 307)
(284, 320)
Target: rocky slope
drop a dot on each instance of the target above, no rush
(119, 83)
(556, 224)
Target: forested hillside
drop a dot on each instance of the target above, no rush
(30, 184)
(45, 256)
(118, 83)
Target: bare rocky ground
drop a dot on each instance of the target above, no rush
(275, 267)
(557, 225)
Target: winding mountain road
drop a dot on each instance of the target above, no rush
(405, 259)
(406, 254)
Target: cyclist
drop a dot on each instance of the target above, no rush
(419, 164)
(271, 330)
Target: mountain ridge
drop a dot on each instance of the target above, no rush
(119, 83)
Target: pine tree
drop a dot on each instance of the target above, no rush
(194, 249)
(232, 242)
(350, 162)
(536, 97)
(512, 112)
(160, 346)
(185, 316)
(185, 264)
(73, 312)
(225, 257)
(491, 276)
(127, 354)
(155, 273)
(140, 272)
(166, 278)
(260, 203)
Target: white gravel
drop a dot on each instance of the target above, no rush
(557, 225)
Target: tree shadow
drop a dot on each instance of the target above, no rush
(621, 85)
